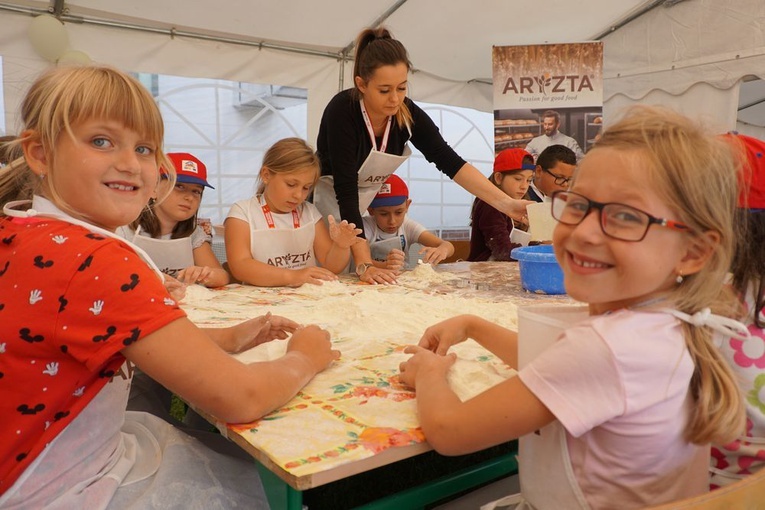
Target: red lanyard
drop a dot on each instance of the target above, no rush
(371, 131)
(270, 218)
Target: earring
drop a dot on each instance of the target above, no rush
(679, 279)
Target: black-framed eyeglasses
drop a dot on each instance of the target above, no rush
(619, 221)
(560, 180)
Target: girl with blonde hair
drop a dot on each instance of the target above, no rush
(79, 309)
(622, 407)
(276, 238)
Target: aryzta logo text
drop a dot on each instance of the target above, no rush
(547, 84)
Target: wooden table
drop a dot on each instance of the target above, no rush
(356, 416)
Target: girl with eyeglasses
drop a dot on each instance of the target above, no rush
(168, 230)
(622, 407)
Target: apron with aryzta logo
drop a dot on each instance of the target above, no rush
(377, 167)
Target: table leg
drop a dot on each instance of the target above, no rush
(279, 493)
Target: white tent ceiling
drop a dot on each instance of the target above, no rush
(661, 53)
(450, 39)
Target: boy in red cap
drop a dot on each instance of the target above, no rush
(746, 455)
(390, 232)
(491, 229)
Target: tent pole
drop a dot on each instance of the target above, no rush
(171, 32)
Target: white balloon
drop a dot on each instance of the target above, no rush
(74, 57)
(48, 36)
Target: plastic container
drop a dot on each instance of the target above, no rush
(540, 272)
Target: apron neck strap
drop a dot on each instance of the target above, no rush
(9, 210)
(371, 131)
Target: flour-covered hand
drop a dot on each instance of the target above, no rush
(194, 274)
(260, 330)
(343, 234)
(176, 288)
(395, 260)
(422, 361)
(439, 337)
(314, 275)
(434, 255)
(314, 345)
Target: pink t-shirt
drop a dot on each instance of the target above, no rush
(619, 384)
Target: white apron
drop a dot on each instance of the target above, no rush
(170, 255)
(380, 249)
(545, 472)
(373, 172)
(288, 248)
(125, 457)
(141, 457)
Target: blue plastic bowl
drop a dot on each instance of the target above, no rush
(540, 272)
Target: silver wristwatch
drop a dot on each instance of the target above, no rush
(362, 268)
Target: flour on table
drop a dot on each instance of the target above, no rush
(366, 321)
(424, 276)
(468, 378)
(327, 288)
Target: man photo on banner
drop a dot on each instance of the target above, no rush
(551, 136)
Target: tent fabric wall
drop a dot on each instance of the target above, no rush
(664, 56)
(659, 56)
(157, 53)
(713, 107)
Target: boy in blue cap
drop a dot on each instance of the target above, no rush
(390, 232)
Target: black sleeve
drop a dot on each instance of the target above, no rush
(342, 146)
(427, 138)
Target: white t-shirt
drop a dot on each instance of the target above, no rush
(541, 142)
(619, 384)
(289, 244)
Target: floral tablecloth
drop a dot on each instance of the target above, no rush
(357, 408)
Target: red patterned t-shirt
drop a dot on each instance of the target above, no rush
(70, 300)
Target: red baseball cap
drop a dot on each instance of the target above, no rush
(392, 192)
(189, 168)
(752, 194)
(511, 160)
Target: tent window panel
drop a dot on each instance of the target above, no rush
(425, 214)
(438, 202)
(228, 125)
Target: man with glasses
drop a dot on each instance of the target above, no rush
(551, 136)
(554, 169)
